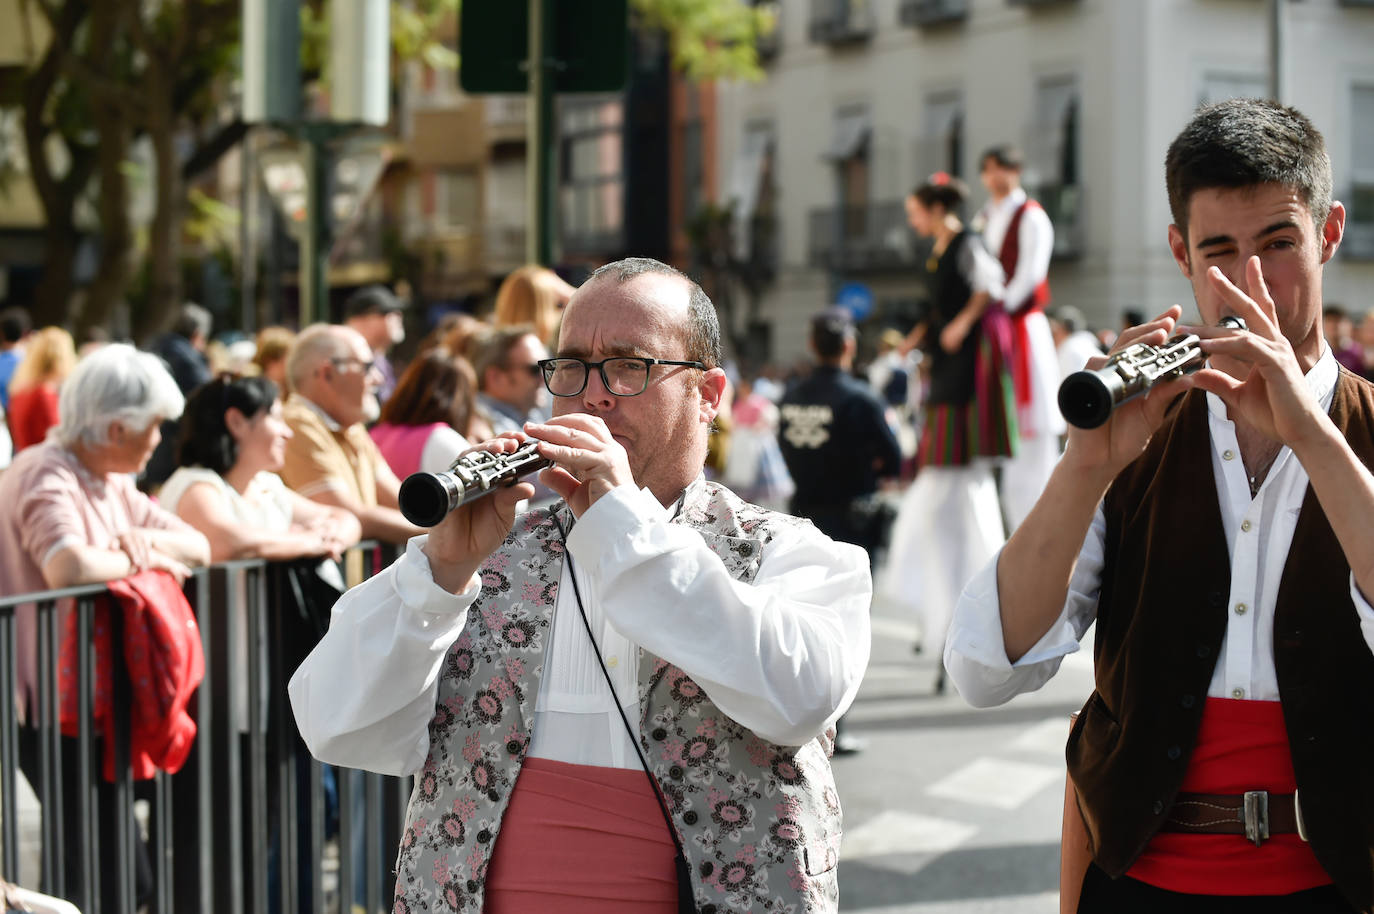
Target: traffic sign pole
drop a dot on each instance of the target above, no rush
(541, 148)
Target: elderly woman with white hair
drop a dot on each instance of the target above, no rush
(70, 515)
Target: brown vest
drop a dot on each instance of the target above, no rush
(1161, 618)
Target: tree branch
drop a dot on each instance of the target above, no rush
(208, 153)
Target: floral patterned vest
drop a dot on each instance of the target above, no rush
(760, 823)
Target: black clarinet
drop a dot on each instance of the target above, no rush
(1087, 398)
(427, 498)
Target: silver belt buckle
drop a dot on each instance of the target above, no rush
(1257, 816)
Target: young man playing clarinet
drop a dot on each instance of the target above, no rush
(1220, 529)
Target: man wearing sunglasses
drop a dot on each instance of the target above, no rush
(652, 621)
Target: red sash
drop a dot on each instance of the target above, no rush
(1019, 311)
(580, 839)
(1242, 745)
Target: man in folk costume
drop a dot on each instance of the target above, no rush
(732, 636)
(1218, 530)
(1018, 232)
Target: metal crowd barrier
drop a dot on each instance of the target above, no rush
(241, 828)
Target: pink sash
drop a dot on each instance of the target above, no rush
(581, 839)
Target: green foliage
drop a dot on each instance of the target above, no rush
(711, 39)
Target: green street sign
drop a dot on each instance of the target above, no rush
(590, 45)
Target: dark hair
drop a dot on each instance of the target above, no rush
(949, 193)
(437, 386)
(205, 440)
(1005, 155)
(830, 330)
(1335, 311)
(703, 326)
(14, 323)
(1245, 142)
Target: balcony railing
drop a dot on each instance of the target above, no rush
(860, 238)
(927, 13)
(841, 21)
(244, 817)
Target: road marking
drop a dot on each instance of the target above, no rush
(897, 832)
(1048, 736)
(996, 782)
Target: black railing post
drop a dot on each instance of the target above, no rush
(9, 749)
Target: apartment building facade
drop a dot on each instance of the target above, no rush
(863, 99)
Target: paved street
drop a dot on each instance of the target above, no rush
(952, 809)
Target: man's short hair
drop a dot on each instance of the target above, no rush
(193, 320)
(1246, 142)
(492, 349)
(316, 345)
(1070, 317)
(14, 323)
(703, 327)
(1005, 155)
(1335, 311)
(831, 329)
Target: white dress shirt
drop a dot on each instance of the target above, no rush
(1259, 532)
(782, 655)
(1035, 243)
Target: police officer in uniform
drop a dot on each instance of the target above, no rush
(837, 444)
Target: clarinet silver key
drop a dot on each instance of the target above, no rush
(1087, 398)
(427, 498)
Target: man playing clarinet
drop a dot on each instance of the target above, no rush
(1220, 529)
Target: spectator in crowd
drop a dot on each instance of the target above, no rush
(731, 637)
(506, 361)
(1073, 341)
(1339, 330)
(273, 345)
(428, 421)
(755, 469)
(15, 326)
(330, 458)
(92, 338)
(889, 374)
(49, 357)
(183, 348)
(233, 440)
(1364, 335)
(70, 515)
(532, 296)
(379, 316)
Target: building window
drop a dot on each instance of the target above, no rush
(593, 179)
(849, 154)
(1053, 161)
(941, 146)
(752, 193)
(459, 199)
(1359, 240)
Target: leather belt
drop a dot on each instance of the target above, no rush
(1256, 814)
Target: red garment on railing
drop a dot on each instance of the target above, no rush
(165, 662)
(1242, 745)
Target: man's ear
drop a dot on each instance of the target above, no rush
(1178, 246)
(1333, 230)
(711, 389)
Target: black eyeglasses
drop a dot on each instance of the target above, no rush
(352, 360)
(624, 376)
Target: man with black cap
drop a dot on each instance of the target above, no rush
(376, 313)
(837, 444)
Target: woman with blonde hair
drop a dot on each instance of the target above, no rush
(273, 345)
(532, 295)
(49, 356)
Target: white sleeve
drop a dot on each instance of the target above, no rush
(1035, 238)
(442, 447)
(782, 655)
(1365, 612)
(365, 695)
(975, 654)
(981, 270)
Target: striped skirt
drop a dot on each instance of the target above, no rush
(953, 434)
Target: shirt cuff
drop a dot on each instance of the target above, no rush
(610, 523)
(417, 590)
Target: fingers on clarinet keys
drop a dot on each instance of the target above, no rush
(1087, 398)
(425, 499)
